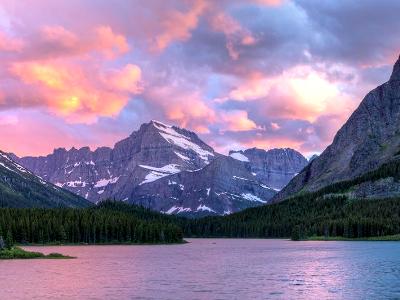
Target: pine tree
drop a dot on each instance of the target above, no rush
(9, 240)
(296, 233)
(2, 243)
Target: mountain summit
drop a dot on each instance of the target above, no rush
(369, 139)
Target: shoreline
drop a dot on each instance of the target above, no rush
(384, 238)
(100, 244)
(20, 253)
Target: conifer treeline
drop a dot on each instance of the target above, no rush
(337, 216)
(107, 223)
(326, 212)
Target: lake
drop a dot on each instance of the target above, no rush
(210, 269)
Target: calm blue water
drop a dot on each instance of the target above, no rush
(210, 269)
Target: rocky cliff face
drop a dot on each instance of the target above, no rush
(169, 169)
(20, 188)
(368, 139)
(275, 167)
(224, 186)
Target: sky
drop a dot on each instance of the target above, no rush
(241, 74)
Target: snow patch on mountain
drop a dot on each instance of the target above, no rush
(157, 173)
(240, 178)
(76, 183)
(13, 164)
(104, 182)
(202, 207)
(182, 156)
(1, 164)
(251, 197)
(173, 137)
(177, 210)
(239, 156)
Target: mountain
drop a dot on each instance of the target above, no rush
(366, 142)
(154, 151)
(224, 186)
(275, 167)
(154, 164)
(20, 188)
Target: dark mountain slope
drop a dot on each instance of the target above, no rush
(21, 188)
(275, 167)
(370, 138)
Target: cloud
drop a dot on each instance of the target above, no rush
(182, 107)
(298, 93)
(55, 41)
(127, 79)
(346, 33)
(59, 36)
(235, 34)
(236, 120)
(9, 44)
(176, 25)
(264, 73)
(269, 2)
(109, 42)
(74, 92)
(41, 133)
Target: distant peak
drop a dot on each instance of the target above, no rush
(396, 71)
(58, 150)
(155, 122)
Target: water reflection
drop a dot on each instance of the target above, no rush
(210, 269)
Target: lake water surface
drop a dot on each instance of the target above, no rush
(210, 269)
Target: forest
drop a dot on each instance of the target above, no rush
(327, 212)
(330, 217)
(109, 222)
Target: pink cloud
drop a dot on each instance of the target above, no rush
(234, 33)
(176, 25)
(236, 120)
(38, 135)
(74, 92)
(297, 93)
(255, 86)
(41, 133)
(182, 107)
(57, 41)
(10, 44)
(111, 43)
(127, 79)
(272, 142)
(269, 2)
(58, 35)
